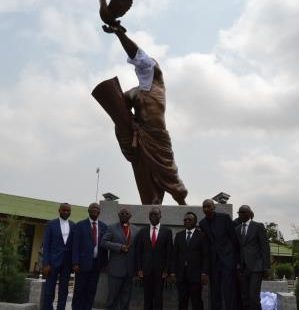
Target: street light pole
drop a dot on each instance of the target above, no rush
(98, 177)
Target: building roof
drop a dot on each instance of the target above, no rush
(280, 250)
(36, 208)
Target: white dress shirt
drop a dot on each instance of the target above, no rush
(157, 230)
(191, 230)
(246, 226)
(65, 229)
(144, 69)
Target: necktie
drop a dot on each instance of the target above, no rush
(243, 231)
(188, 236)
(154, 237)
(127, 232)
(94, 234)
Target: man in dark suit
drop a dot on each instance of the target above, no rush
(237, 221)
(57, 257)
(154, 249)
(223, 252)
(120, 240)
(88, 258)
(191, 263)
(254, 258)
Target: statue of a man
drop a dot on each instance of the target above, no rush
(139, 117)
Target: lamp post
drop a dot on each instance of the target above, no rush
(98, 177)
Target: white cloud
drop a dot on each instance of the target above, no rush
(72, 33)
(8, 6)
(250, 82)
(44, 113)
(149, 7)
(265, 38)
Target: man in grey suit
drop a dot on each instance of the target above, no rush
(120, 241)
(254, 258)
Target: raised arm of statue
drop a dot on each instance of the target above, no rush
(129, 46)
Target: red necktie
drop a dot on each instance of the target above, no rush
(94, 234)
(127, 232)
(154, 237)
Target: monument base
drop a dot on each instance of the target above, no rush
(172, 217)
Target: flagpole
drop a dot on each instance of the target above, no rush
(98, 177)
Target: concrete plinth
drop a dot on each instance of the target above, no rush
(172, 216)
(10, 306)
(170, 295)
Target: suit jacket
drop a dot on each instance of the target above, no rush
(254, 248)
(192, 257)
(83, 248)
(120, 264)
(223, 242)
(157, 259)
(55, 252)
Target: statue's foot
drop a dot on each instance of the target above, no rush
(181, 202)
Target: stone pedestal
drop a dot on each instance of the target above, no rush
(172, 216)
(170, 295)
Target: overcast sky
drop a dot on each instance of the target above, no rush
(231, 72)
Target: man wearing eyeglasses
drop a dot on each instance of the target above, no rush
(254, 258)
(120, 240)
(190, 263)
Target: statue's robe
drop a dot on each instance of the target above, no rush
(143, 137)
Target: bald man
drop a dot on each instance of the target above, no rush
(120, 240)
(223, 251)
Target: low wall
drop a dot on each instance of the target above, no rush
(286, 301)
(275, 286)
(25, 306)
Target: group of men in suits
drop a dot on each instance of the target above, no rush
(151, 254)
(216, 253)
(148, 252)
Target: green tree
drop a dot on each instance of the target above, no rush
(12, 279)
(295, 231)
(274, 235)
(284, 269)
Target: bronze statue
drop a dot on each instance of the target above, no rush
(142, 135)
